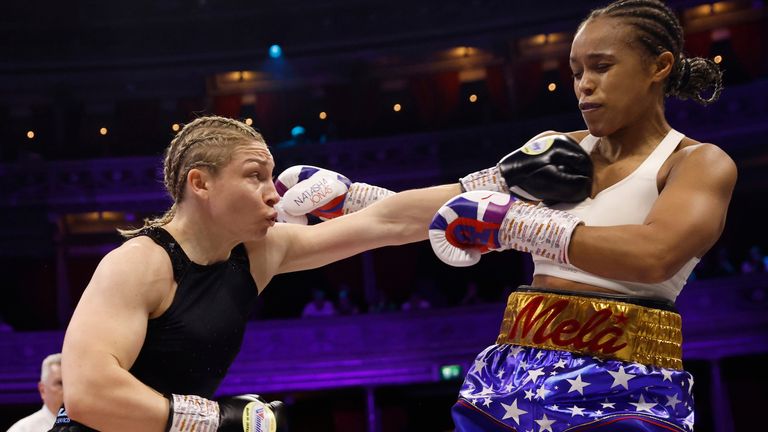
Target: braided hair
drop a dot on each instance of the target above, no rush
(657, 29)
(205, 142)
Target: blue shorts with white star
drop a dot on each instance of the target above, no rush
(514, 388)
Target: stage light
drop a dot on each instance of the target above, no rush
(103, 131)
(298, 131)
(450, 372)
(473, 98)
(30, 134)
(323, 115)
(718, 59)
(552, 87)
(175, 127)
(275, 51)
(397, 107)
(249, 121)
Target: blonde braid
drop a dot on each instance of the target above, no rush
(216, 137)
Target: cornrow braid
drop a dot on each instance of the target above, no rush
(201, 129)
(204, 142)
(658, 30)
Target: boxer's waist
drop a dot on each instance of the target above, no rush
(629, 329)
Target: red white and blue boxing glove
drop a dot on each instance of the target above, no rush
(322, 193)
(477, 222)
(551, 168)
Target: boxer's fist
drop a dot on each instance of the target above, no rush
(468, 226)
(480, 221)
(553, 168)
(323, 193)
(308, 189)
(285, 217)
(246, 413)
(250, 413)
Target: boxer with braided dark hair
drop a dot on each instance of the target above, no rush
(657, 30)
(629, 207)
(595, 342)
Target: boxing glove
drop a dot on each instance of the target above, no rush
(553, 169)
(245, 413)
(477, 222)
(323, 193)
(250, 413)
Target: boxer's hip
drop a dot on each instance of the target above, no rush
(644, 331)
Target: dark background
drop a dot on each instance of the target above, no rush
(137, 68)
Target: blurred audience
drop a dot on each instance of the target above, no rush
(51, 393)
(718, 263)
(415, 302)
(345, 305)
(437, 290)
(319, 306)
(723, 265)
(382, 304)
(756, 261)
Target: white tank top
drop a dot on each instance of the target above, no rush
(613, 206)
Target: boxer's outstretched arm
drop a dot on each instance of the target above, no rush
(399, 219)
(686, 220)
(105, 336)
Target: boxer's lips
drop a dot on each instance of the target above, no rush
(589, 106)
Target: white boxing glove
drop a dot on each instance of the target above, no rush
(285, 217)
(323, 193)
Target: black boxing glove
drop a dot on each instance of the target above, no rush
(245, 413)
(64, 424)
(553, 168)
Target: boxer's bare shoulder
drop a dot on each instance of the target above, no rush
(137, 268)
(700, 161)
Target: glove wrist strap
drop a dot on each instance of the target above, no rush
(489, 179)
(361, 195)
(539, 230)
(192, 413)
(258, 416)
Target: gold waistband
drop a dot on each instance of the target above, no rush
(594, 326)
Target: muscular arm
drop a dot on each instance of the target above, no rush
(686, 220)
(104, 337)
(398, 219)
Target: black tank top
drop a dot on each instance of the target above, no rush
(188, 349)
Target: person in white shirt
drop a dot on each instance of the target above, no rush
(51, 392)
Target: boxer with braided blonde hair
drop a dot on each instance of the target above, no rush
(164, 315)
(204, 142)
